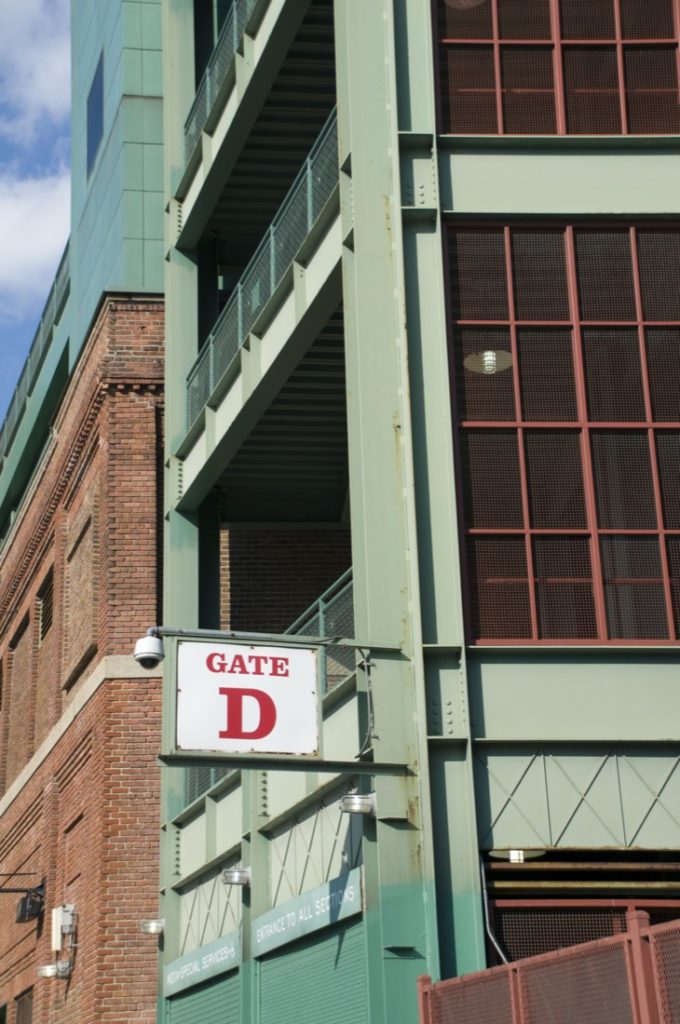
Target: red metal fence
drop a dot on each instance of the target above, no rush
(632, 978)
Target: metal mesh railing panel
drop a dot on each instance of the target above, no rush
(476, 1000)
(633, 589)
(468, 90)
(199, 385)
(323, 172)
(223, 55)
(591, 90)
(499, 593)
(464, 20)
(623, 480)
(565, 602)
(546, 374)
(490, 464)
(290, 230)
(265, 270)
(528, 90)
(665, 949)
(256, 284)
(332, 615)
(590, 985)
(554, 479)
(339, 621)
(483, 396)
(196, 119)
(539, 275)
(605, 275)
(613, 375)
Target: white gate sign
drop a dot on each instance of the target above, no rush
(240, 698)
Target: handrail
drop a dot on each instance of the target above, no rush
(277, 250)
(219, 64)
(331, 615)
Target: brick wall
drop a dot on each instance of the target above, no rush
(87, 818)
(269, 577)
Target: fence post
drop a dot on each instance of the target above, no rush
(424, 986)
(515, 993)
(643, 974)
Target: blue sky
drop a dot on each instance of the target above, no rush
(34, 170)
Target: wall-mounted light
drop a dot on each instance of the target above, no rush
(154, 926)
(236, 876)
(59, 969)
(358, 803)
(488, 362)
(516, 856)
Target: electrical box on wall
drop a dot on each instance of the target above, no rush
(63, 923)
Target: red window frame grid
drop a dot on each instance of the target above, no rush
(557, 44)
(583, 425)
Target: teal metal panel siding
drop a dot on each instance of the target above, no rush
(216, 1002)
(321, 980)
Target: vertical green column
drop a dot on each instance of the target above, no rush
(256, 899)
(398, 862)
(459, 900)
(181, 537)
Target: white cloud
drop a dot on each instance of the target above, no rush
(34, 227)
(34, 66)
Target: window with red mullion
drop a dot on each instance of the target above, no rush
(566, 364)
(565, 67)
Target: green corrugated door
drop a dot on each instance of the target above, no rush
(215, 1002)
(320, 980)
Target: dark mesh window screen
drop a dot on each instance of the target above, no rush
(578, 54)
(668, 450)
(539, 275)
(663, 362)
(469, 90)
(623, 480)
(651, 89)
(499, 592)
(564, 588)
(591, 91)
(529, 19)
(493, 494)
(554, 479)
(652, 19)
(613, 375)
(528, 91)
(633, 588)
(659, 259)
(569, 435)
(605, 275)
(480, 290)
(546, 374)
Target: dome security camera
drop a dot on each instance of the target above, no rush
(149, 651)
